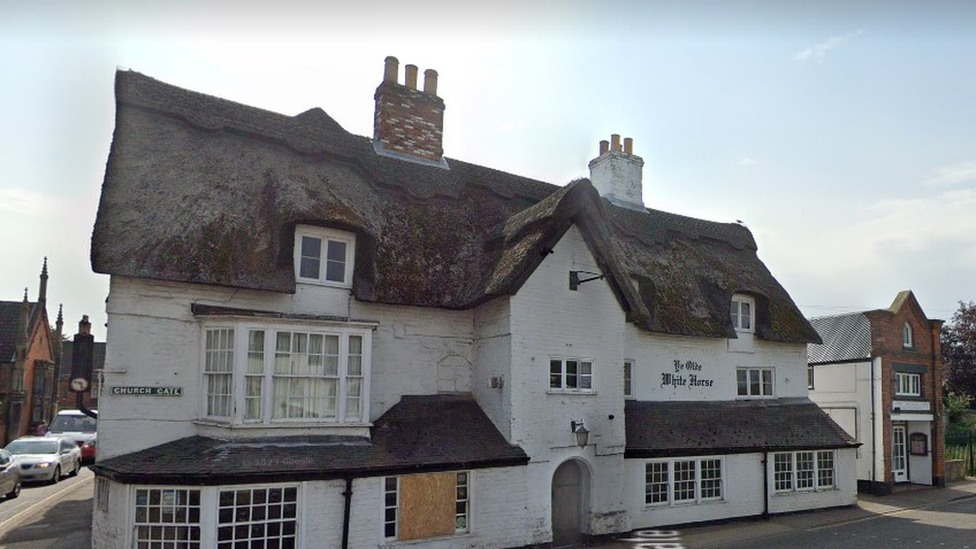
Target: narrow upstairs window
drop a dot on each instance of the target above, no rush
(743, 313)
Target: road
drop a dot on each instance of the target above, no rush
(950, 525)
(49, 515)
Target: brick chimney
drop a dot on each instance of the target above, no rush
(408, 122)
(617, 173)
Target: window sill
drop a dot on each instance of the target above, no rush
(764, 397)
(584, 392)
(682, 504)
(329, 284)
(277, 424)
(803, 492)
(390, 543)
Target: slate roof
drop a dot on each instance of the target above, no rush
(418, 434)
(845, 337)
(204, 190)
(660, 429)
(67, 357)
(9, 321)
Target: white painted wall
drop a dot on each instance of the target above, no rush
(109, 529)
(845, 465)
(655, 354)
(550, 320)
(844, 392)
(493, 359)
(156, 341)
(743, 495)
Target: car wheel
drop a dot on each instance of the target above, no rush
(57, 475)
(15, 492)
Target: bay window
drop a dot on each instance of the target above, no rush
(265, 374)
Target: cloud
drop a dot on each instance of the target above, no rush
(21, 201)
(818, 52)
(953, 175)
(746, 161)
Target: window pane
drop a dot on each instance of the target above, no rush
(804, 470)
(742, 382)
(311, 257)
(335, 269)
(711, 478)
(783, 472)
(825, 469)
(745, 315)
(767, 382)
(684, 480)
(656, 482)
(555, 374)
(754, 382)
(734, 311)
(628, 389)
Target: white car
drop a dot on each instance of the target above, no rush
(46, 459)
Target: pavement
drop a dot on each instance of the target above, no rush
(754, 530)
(63, 521)
(59, 517)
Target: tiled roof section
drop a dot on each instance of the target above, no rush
(204, 190)
(67, 357)
(419, 434)
(845, 337)
(9, 321)
(658, 429)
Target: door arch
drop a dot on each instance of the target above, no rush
(570, 486)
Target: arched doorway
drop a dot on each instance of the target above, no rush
(569, 488)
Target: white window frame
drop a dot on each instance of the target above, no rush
(209, 510)
(564, 375)
(698, 499)
(629, 379)
(908, 384)
(217, 490)
(187, 524)
(212, 375)
(385, 507)
(325, 235)
(907, 336)
(787, 479)
(242, 329)
(749, 326)
(749, 373)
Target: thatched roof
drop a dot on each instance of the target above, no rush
(203, 190)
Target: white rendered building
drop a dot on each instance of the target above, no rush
(320, 339)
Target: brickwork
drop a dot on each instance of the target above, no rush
(887, 343)
(409, 121)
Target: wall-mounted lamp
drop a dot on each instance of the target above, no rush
(581, 432)
(575, 280)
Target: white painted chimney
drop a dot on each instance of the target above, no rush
(617, 173)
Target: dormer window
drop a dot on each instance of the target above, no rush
(907, 338)
(743, 313)
(324, 256)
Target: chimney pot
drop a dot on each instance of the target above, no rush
(615, 142)
(411, 76)
(430, 82)
(84, 327)
(390, 69)
(629, 145)
(604, 147)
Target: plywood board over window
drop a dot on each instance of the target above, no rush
(427, 505)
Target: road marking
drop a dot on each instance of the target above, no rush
(15, 520)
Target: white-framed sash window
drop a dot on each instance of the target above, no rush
(278, 374)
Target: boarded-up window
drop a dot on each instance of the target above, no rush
(427, 505)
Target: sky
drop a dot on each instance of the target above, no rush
(841, 133)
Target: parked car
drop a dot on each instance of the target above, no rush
(46, 458)
(80, 428)
(9, 476)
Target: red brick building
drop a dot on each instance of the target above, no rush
(28, 359)
(879, 375)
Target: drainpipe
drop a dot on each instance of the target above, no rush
(874, 445)
(765, 462)
(345, 515)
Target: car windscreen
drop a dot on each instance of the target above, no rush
(19, 447)
(73, 424)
